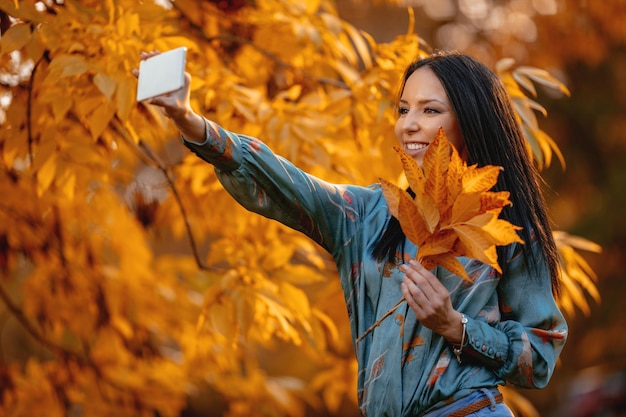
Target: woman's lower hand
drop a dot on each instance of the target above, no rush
(430, 301)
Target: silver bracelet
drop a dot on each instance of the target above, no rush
(458, 350)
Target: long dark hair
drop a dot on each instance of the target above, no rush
(492, 136)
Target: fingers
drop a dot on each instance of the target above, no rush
(421, 277)
(148, 54)
(408, 297)
(143, 56)
(423, 291)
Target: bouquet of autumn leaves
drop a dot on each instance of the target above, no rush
(453, 212)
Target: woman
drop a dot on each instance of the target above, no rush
(445, 351)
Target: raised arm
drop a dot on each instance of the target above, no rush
(270, 185)
(266, 183)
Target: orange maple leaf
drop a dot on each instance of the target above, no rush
(453, 213)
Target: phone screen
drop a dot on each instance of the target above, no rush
(161, 74)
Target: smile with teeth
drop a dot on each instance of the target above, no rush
(416, 146)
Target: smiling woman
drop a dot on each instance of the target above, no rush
(424, 108)
(455, 340)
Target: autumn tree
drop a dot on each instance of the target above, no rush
(131, 283)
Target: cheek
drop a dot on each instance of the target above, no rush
(456, 138)
(459, 144)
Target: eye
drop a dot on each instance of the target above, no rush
(431, 110)
(402, 110)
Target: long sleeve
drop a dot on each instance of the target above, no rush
(524, 344)
(268, 184)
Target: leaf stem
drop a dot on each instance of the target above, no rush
(380, 320)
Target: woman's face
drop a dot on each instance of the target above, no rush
(423, 109)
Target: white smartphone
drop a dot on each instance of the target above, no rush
(161, 73)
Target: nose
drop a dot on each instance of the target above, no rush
(409, 122)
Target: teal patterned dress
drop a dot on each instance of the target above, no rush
(515, 330)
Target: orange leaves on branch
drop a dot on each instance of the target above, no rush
(453, 212)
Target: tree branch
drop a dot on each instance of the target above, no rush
(192, 241)
(30, 328)
(380, 320)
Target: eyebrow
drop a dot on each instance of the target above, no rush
(425, 101)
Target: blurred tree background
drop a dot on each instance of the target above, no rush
(132, 285)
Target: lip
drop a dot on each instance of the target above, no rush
(411, 149)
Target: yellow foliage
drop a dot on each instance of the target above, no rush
(577, 277)
(540, 145)
(137, 277)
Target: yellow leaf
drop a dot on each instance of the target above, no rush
(565, 239)
(46, 174)
(200, 322)
(123, 326)
(501, 231)
(295, 299)
(425, 203)
(127, 24)
(454, 178)
(436, 161)
(452, 264)
(105, 84)
(221, 318)
(83, 153)
(437, 244)
(465, 206)
(332, 334)
(300, 274)
(66, 66)
(429, 211)
(525, 112)
(15, 38)
(478, 243)
(392, 194)
(542, 77)
(414, 174)
(67, 183)
(476, 180)
(525, 82)
(411, 221)
(100, 118)
(276, 255)
(347, 72)
(504, 64)
(125, 98)
(61, 107)
(292, 93)
(574, 296)
(494, 201)
(360, 44)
